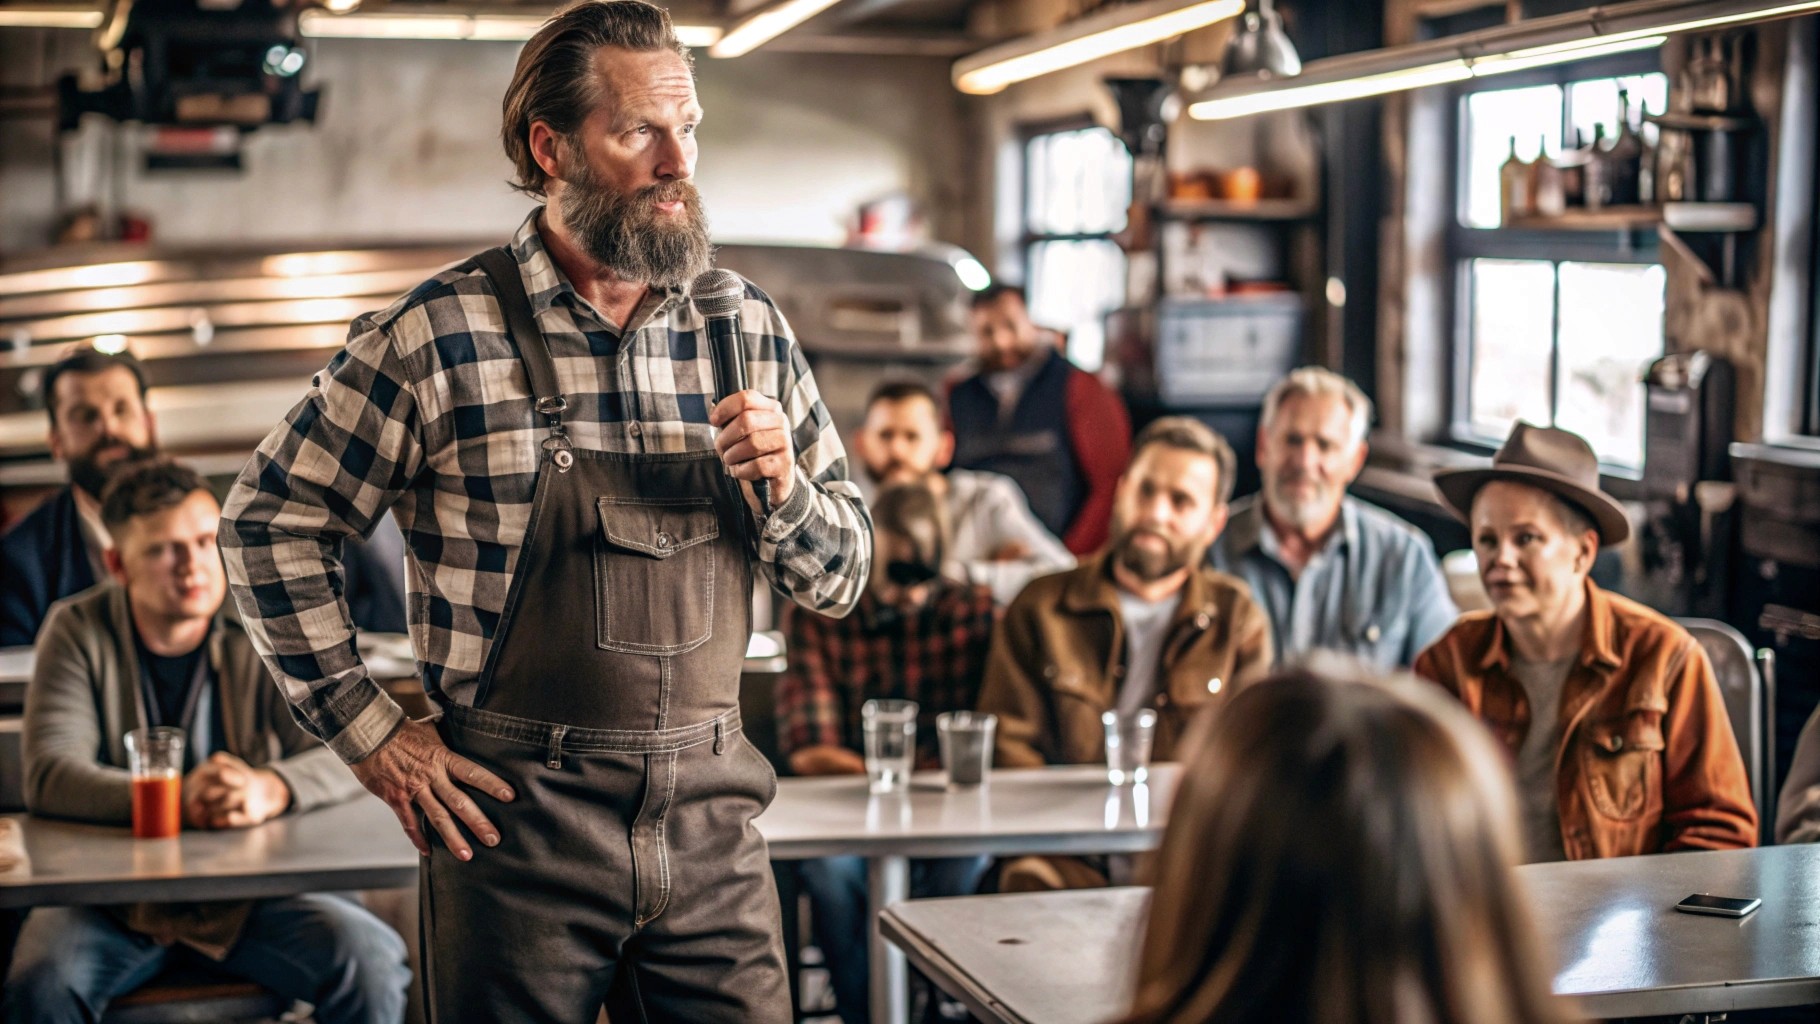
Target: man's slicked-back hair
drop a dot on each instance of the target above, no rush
(992, 293)
(903, 391)
(556, 80)
(88, 360)
(141, 488)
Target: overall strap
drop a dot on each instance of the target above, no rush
(502, 269)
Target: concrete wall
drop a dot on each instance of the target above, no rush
(407, 148)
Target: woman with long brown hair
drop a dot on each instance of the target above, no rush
(1340, 851)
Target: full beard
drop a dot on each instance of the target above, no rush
(628, 235)
(1149, 565)
(90, 475)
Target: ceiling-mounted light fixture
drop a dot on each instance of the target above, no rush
(1112, 30)
(760, 27)
(49, 16)
(1261, 47)
(1540, 42)
(425, 21)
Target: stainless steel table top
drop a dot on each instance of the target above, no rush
(355, 845)
(1031, 810)
(358, 845)
(1622, 950)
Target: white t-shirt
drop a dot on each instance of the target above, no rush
(1145, 623)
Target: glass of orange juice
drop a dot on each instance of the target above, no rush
(156, 758)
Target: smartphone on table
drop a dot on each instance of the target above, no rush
(1718, 906)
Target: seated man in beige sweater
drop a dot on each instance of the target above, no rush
(156, 648)
(1143, 624)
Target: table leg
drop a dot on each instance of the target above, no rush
(887, 882)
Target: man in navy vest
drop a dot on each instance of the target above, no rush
(96, 403)
(99, 419)
(1033, 416)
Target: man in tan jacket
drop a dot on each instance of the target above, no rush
(1144, 624)
(156, 648)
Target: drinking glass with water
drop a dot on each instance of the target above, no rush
(1129, 736)
(966, 738)
(890, 742)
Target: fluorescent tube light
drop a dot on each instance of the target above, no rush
(1097, 35)
(396, 24)
(1330, 92)
(1540, 42)
(49, 16)
(766, 25)
(1547, 56)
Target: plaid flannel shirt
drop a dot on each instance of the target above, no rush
(935, 656)
(428, 412)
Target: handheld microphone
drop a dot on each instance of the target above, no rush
(717, 295)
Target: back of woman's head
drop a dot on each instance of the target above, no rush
(1340, 851)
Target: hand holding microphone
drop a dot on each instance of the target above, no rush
(754, 439)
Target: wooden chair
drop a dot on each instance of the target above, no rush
(196, 995)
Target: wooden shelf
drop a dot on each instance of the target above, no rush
(1235, 210)
(1681, 216)
(1611, 218)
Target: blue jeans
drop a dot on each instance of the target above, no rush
(325, 950)
(837, 891)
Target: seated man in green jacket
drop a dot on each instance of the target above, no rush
(156, 648)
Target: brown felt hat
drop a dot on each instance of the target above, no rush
(1557, 461)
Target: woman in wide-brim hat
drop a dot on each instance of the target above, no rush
(1609, 709)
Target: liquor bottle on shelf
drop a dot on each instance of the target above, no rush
(1624, 159)
(1572, 166)
(1515, 197)
(1597, 192)
(1546, 194)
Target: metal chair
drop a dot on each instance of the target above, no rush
(1747, 681)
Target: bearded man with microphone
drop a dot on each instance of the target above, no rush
(585, 511)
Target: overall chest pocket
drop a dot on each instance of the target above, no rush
(1622, 760)
(654, 571)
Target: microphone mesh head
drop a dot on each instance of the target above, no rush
(717, 293)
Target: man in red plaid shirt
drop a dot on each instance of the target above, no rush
(914, 635)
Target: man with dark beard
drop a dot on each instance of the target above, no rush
(1143, 625)
(96, 404)
(583, 537)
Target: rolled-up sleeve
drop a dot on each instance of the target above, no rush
(340, 459)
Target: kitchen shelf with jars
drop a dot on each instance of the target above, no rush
(1683, 173)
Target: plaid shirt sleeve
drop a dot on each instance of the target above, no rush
(336, 463)
(817, 546)
(809, 711)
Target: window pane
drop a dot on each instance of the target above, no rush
(1512, 327)
(1080, 183)
(1492, 119)
(1596, 102)
(1611, 326)
(1073, 285)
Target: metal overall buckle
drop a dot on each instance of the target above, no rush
(562, 454)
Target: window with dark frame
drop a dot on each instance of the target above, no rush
(1077, 190)
(1551, 326)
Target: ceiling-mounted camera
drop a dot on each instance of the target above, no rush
(196, 64)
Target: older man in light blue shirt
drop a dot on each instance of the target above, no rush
(1332, 572)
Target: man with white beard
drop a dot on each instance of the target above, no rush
(1332, 572)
